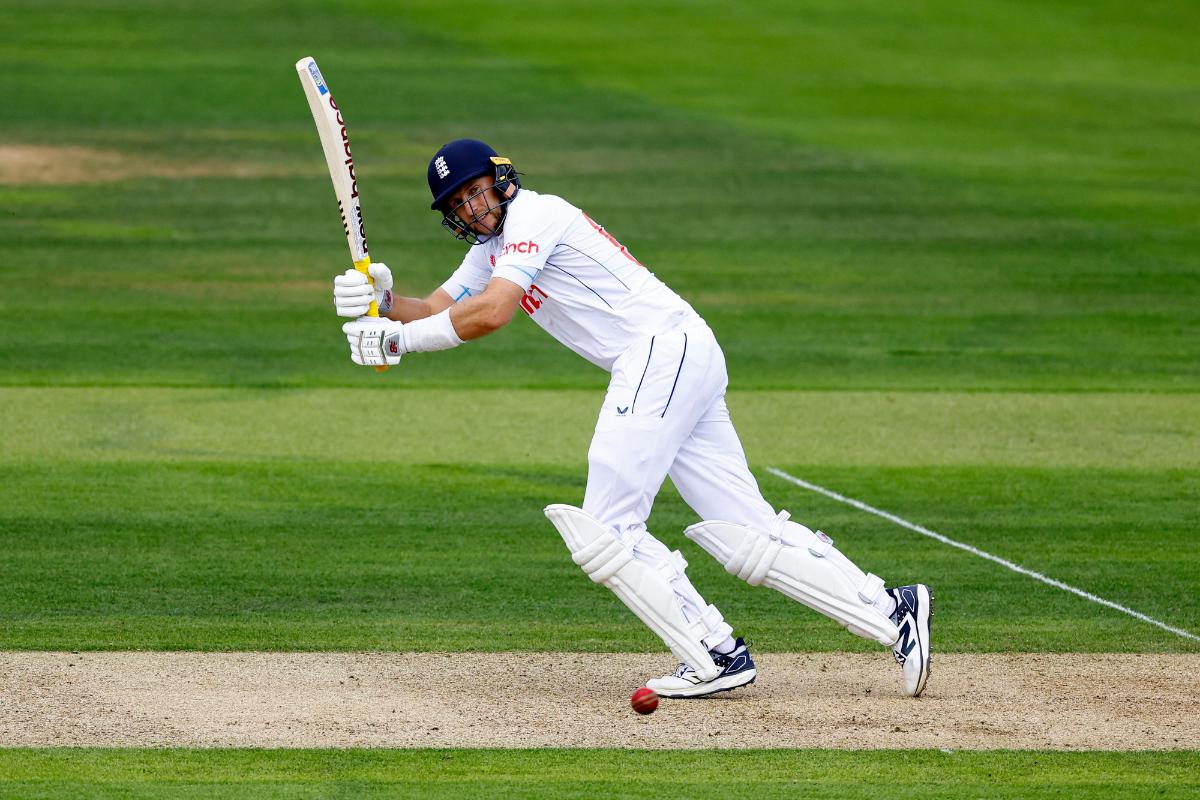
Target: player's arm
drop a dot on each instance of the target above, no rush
(487, 312)
(410, 309)
(352, 296)
(473, 317)
(375, 341)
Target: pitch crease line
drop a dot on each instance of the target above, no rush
(861, 506)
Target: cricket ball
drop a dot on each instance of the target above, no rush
(644, 701)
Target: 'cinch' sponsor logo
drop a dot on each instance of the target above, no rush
(521, 247)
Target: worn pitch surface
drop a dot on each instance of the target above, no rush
(1039, 700)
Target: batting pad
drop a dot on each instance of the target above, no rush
(645, 590)
(807, 568)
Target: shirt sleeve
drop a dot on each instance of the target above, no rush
(470, 278)
(532, 230)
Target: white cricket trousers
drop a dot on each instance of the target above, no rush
(665, 414)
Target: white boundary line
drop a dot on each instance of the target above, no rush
(861, 506)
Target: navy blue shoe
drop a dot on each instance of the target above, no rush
(914, 607)
(737, 669)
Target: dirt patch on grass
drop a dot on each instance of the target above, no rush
(25, 164)
(1110, 702)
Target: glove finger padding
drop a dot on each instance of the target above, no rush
(351, 277)
(352, 295)
(381, 275)
(353, 310)
(374, 341)
(373, 361)
(353, 292)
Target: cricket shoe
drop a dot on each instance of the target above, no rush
(737, 669)
(913, 610)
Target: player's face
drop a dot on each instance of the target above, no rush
(477, 204)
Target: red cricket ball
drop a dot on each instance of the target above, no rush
(644, 701)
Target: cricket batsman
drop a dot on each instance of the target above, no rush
(664, 414)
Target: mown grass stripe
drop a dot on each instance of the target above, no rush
(587, 773)
(912, 526)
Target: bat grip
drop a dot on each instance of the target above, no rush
(373, 311)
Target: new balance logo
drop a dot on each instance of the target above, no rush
(440, 165)
(905, 644)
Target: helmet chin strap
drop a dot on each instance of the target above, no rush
(507, 193)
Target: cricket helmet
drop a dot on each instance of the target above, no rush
(455, 164)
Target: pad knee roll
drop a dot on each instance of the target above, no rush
(602, 558)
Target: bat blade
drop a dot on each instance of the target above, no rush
(331, 126)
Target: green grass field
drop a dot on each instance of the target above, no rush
(950, 252)
(591, 773)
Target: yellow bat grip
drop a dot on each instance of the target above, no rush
(373, 311)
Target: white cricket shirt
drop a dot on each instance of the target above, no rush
(581, 285)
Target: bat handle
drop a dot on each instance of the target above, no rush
(373, 311)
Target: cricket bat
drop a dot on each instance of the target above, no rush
(336, 143)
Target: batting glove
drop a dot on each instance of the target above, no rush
(352, 293)
(375, 341)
